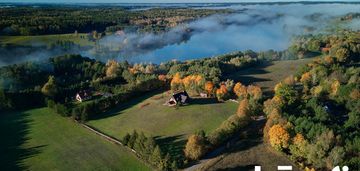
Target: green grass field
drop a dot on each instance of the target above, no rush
(46, 39)
(169, 125)
(156, 119)
(38, 139)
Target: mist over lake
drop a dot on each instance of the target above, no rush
(256, 27)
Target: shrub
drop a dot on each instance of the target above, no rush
(195, 147)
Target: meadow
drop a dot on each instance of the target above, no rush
(153, 118)
(39, 139)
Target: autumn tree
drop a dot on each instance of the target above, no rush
(290, 80)
(306, 78)
(342, 54)
(221, 92)
(355, 94)
(150, 69)
(317, 91)
(328, 60)
(193, 83)
(195, 147)
(50, 88)
(240, 90)
(162, 78)
(279, 137)
(298, 147)
(243, 109)
(254, 92)
(209, 87)
(176, 82)
(112, 68)
(335, 85)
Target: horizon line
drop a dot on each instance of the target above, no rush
(247, 2)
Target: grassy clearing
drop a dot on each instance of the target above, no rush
(154, 118)
(171, 126)
(46, 39)
(269, 74)
(41, 140)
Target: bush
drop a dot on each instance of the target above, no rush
(195, 147)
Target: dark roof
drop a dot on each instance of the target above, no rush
(181, 97)
(84, 93)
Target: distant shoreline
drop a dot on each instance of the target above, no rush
(191, 4)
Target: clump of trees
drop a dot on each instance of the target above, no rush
(312, 116)
(148, 149)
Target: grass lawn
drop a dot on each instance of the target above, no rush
(38, 139)
(171, 126)
(156, 119)
(46, 39)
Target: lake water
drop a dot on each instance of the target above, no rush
(255, 27)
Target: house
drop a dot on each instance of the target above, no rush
(203, 95)
(178, 98)
(83, 95)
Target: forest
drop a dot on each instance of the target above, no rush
(44, 20)
(314, 115)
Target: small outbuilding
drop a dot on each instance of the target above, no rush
(83, 95)
(178, 98)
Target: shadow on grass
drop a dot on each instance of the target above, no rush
(203, 101)
(247, 75)
(240, 168)
(174, 145)
(117, 110)
(14, 128)
(254, 137)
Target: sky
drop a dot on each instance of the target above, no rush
(152, 1)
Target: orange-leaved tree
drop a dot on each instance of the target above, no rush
(209, 87)
(254, 92)
(279, 137)
(176, 82)
(221, 92)
(240, 90)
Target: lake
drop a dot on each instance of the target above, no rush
(250, 26)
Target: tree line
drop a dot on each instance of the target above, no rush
(27, 20)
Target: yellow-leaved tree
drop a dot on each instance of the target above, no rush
(240, 90)
(279, 137)
(243, 109)
(176, 82)
(254, 92)
(195, 147)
